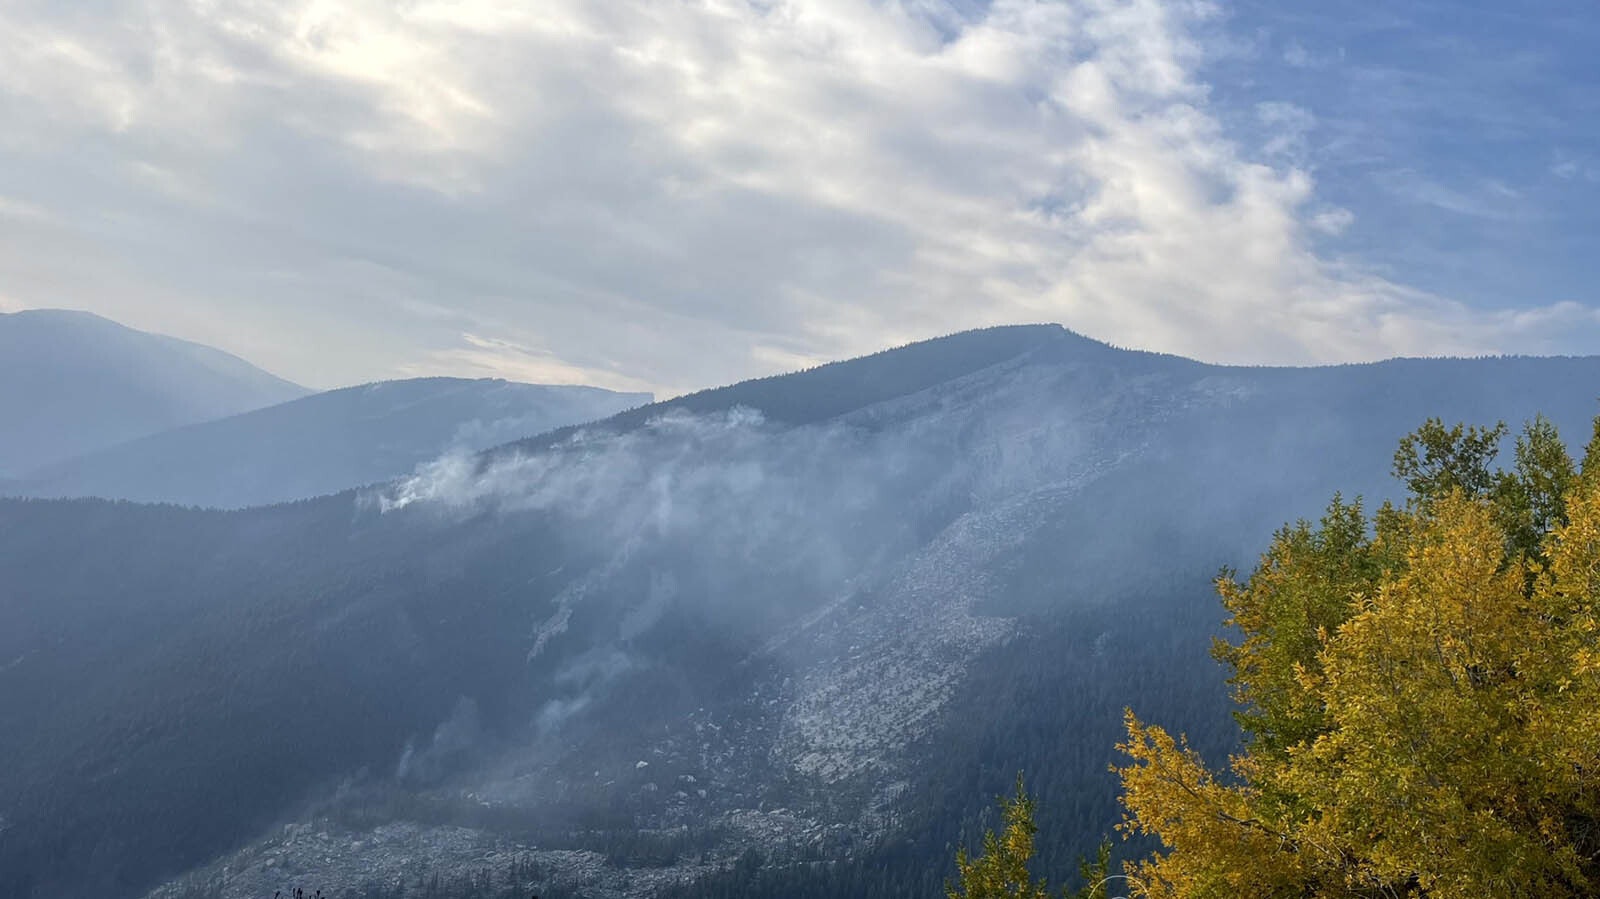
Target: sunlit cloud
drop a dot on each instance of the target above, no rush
(672, 195)
(489, 357)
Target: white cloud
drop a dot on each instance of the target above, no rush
(1487, 199)
(1334, 221)
(1295, 54)
(1287, 127)
(496, 358)
(1568, 167)
(669, 195)
(11, 207)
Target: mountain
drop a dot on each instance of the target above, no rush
(786, 638)
(322, 443)
(73, 382)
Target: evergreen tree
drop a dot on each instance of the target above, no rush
(1002, 871)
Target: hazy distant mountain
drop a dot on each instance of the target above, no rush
(323, 443)
(73, 382)
(787, 638)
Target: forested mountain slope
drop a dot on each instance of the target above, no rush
(704, 648)
(323, 443)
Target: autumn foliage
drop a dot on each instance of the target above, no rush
(1419, 693)
(1001, 870)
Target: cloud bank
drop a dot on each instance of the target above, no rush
(667, 195)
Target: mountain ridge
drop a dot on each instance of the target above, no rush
(322, 443)
(797, 598)
(73, 381)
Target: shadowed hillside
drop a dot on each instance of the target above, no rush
(785, 638)
(73, 382)
(323, 443)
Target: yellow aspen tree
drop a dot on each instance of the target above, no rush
(1421, 697)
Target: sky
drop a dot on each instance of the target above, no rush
(674, 194)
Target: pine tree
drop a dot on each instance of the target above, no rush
(1001, 872)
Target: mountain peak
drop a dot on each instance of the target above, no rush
(72, 382)
(47, 314)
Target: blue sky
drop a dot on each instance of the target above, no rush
(670, 194)
(1464, 137)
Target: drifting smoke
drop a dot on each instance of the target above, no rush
(740, 523)
(453, 740)
(728, 480)
(725, 514)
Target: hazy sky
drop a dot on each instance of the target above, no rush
(669, 194)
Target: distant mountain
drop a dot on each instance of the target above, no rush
(323, 443)
(786, 639)
(73, 382)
